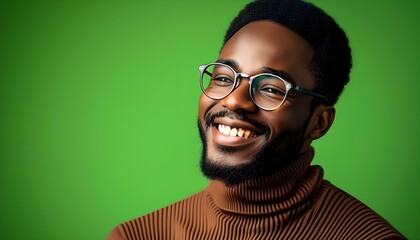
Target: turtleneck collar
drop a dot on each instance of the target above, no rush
(281, 191)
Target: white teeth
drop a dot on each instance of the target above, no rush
(226, 130)
(233, 132)
(221, 127)
(241, 132)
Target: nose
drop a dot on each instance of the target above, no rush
(239, 99)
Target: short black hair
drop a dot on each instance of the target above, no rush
(332, 60)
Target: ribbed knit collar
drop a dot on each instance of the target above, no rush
(287, 189)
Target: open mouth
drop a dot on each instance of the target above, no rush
(235, 131)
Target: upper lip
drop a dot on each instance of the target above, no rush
(237, 124)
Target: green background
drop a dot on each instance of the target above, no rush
(98, 108)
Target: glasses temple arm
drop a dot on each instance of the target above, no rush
(312, 93)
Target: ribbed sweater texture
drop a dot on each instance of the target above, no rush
(293, 203)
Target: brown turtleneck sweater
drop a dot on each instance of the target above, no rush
(294, 203)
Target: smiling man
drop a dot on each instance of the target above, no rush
(271, 92)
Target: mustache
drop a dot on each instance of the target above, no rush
(209, 119)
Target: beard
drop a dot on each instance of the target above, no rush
(271, 157)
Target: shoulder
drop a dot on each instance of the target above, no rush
(350, 218)
(158, 223)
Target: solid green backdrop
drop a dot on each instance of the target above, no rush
(98, 104)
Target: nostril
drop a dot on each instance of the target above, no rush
(239, 99)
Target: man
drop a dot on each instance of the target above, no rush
(271, 92)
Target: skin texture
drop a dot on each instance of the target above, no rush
(282, 133)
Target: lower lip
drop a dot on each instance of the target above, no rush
(225, 140)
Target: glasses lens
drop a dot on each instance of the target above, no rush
(268, 91)
(217, 80)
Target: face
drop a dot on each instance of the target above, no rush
(275, 137)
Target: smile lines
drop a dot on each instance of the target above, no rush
(235, 132)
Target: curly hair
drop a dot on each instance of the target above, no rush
(332, 59)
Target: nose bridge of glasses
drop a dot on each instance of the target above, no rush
(239, 97)
(241, 75)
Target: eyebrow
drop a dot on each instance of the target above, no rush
(234, 64)
(279, 73)
(230, 62)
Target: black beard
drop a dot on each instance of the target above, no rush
(268, 160)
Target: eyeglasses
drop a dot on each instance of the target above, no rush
(267, 91)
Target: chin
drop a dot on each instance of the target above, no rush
(235, 165)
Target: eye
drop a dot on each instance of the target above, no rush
(222, 80)
(271, 90)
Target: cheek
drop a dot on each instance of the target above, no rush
(286, 120)
(204, 105)
(278, 124)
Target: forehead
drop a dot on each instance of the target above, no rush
(267, 44)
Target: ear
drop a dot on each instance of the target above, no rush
(321, 121)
